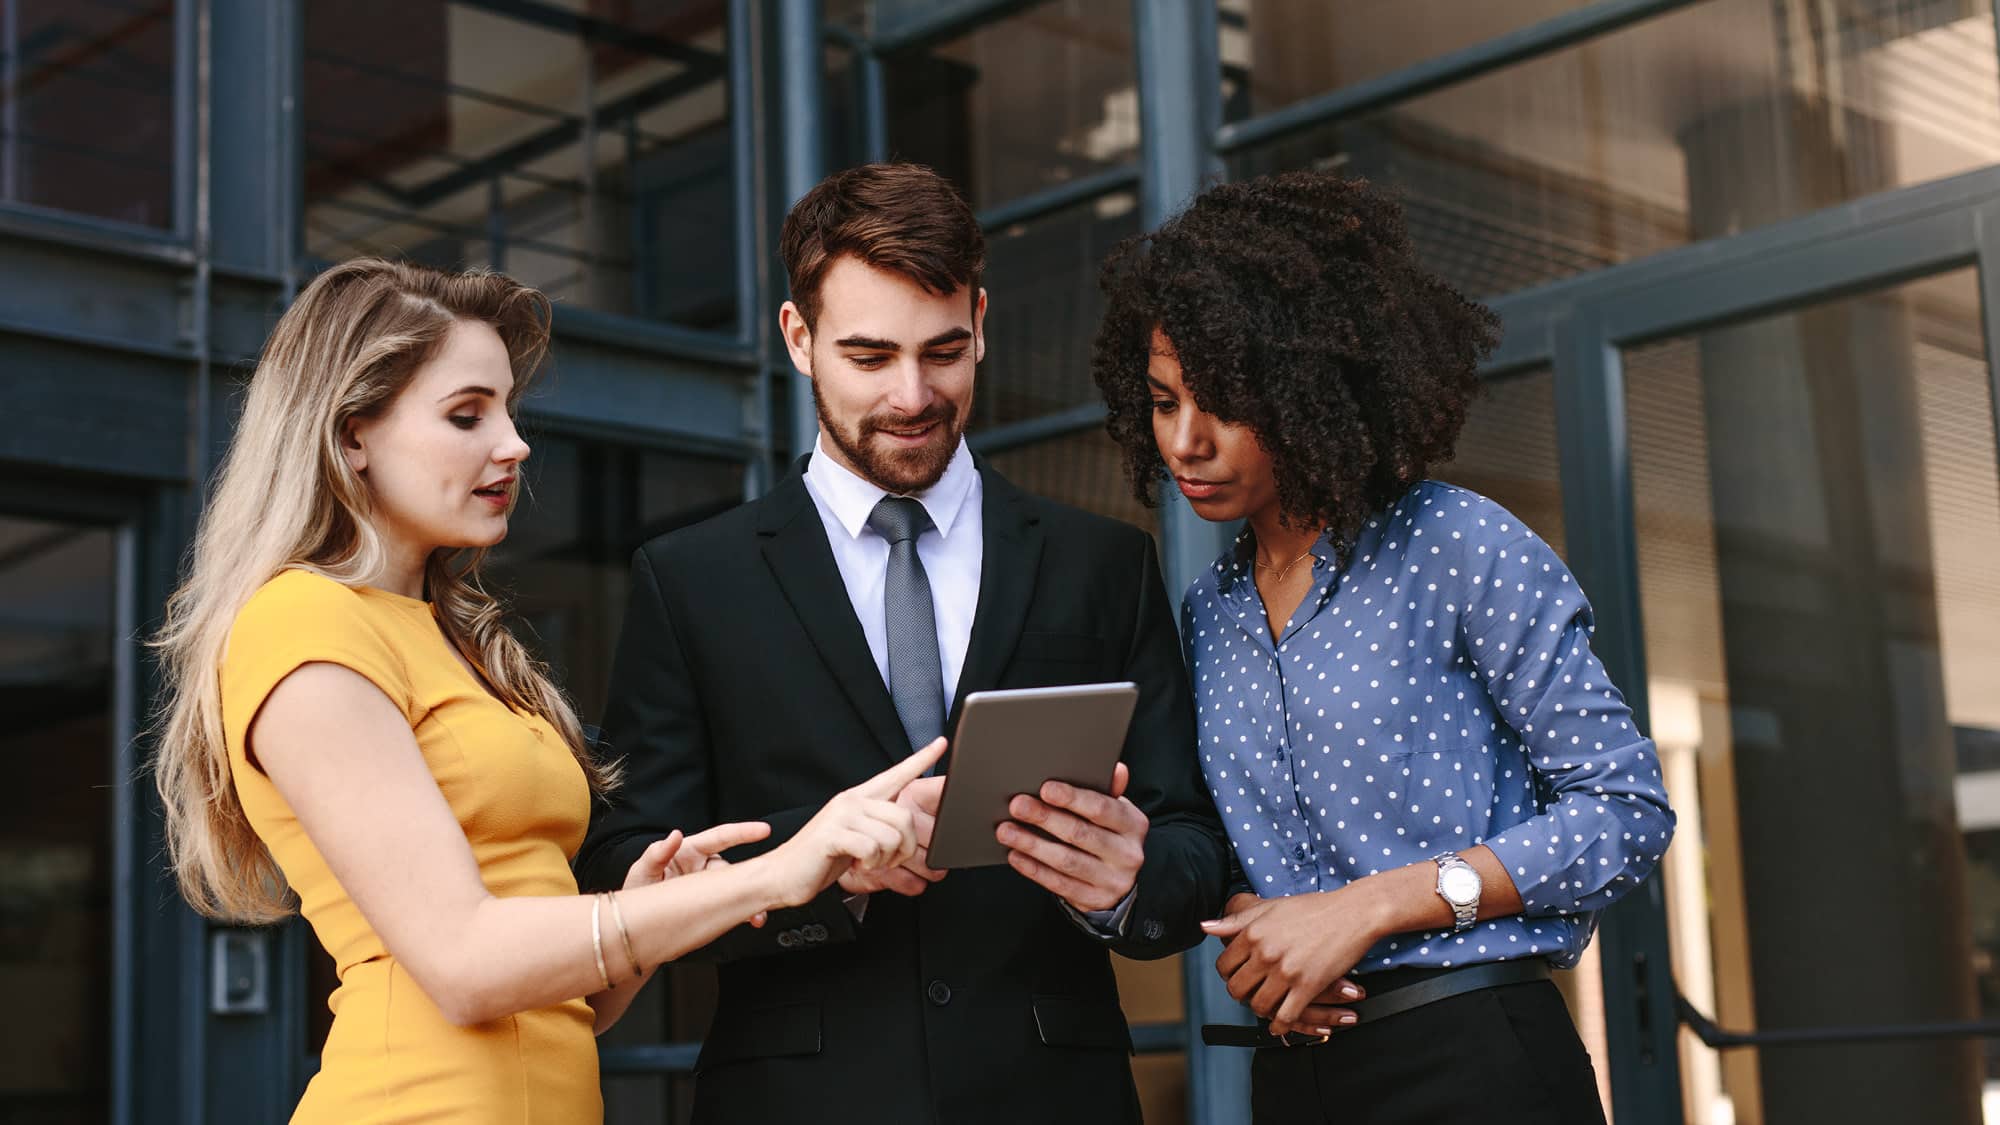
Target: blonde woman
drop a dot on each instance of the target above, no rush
(349, 725)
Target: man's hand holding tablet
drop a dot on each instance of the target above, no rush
(1090, 846)
(1035, 782)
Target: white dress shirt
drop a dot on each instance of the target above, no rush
(952, 552)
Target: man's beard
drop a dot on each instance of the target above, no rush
(901, 471)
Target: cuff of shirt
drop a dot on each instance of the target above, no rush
(1107, 924)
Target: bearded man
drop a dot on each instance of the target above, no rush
(788, 649)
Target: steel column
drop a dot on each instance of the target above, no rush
(1180, 107)
(802, 113)
(1602, 549)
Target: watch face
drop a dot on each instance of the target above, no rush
(1461, 885)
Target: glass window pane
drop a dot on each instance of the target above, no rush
(1020, 104)
(87, 107)
(1276, 52)
(1717, 118)
(591, 159)
(567, 558)
(56, 599)
(1507, 451)
(1082, 470)
(1042, 310)
(1818, 511)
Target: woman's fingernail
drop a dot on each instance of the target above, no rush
(1349, 992)
(1347, 1017)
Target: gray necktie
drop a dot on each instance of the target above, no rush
(916, 674)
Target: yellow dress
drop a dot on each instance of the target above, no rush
(524, 804)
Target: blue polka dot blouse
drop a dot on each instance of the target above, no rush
(1437, 693)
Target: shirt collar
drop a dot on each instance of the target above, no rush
(1235, 566)
(853, 499)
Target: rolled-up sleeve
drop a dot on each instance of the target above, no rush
(1604, 820)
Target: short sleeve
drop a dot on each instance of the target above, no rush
(301, 618)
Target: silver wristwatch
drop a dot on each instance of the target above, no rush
(1459, 886)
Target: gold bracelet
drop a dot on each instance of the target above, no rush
(597, 940)
(625, 935)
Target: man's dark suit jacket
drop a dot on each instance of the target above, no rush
(744, 690)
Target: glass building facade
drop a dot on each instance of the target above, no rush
(1744, 251)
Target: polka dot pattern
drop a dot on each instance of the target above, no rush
(1436, 694)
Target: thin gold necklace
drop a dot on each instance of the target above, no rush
(1267, 567)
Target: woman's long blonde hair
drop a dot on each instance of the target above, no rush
(286, 497)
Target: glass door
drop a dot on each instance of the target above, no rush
(59, 818)
(1816, 506)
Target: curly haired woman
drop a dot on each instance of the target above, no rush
(1430, 783)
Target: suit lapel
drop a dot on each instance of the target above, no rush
(1013, 553)
(795, 547)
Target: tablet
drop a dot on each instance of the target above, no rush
(1010, 742)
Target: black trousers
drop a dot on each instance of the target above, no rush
(1498, 1056)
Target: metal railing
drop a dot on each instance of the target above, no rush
(1722, 1039)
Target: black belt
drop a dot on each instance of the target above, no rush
(1451, 982)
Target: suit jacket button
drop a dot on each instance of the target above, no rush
(815, 932)
(1153, 930)
(788, 940)
(939, 993)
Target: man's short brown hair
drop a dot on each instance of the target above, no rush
(899, 217)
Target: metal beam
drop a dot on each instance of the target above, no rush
(255, 108)
(1072, 193)
(901, 25)
(803, 160)
(1594, 446)
(555, 137)
(92, 235)
(1180, 104)
(749, 109)
(1444, 70)
(874, 104)
(666, 341)
(596, 30)
(1819, 256)
(629, 391)
(999, 439)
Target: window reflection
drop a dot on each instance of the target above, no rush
(1818, 509)
(1714, 119)
(86, 107)
(587, 151)
(1507, 451)
(1020, 104)
(1276, 52)
(1044, 307)
(1082, 470)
